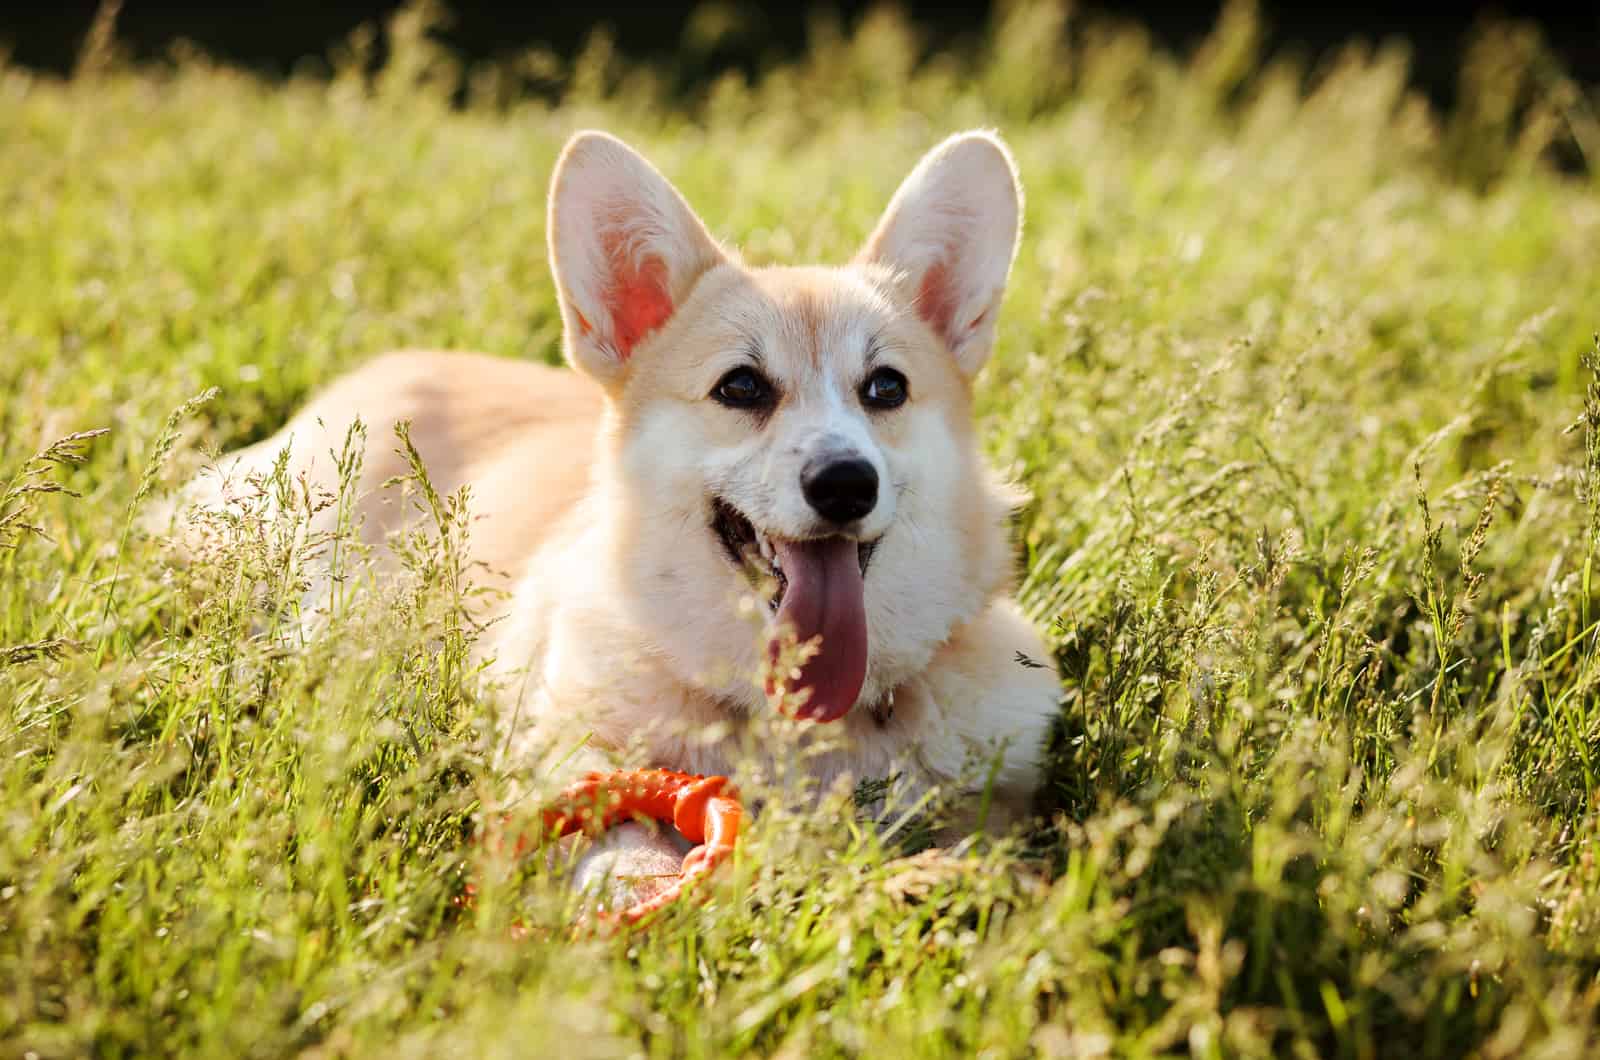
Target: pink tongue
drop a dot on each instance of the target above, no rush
(825, 598)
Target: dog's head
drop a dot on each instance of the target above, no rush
(802, 431)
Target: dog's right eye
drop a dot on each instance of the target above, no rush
(743, 388)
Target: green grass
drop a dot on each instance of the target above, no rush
(1297, 369)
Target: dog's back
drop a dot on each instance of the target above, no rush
(520, 435)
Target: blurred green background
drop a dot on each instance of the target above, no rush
(703, 40)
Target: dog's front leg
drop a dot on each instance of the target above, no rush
(627, 864)
(991, 693)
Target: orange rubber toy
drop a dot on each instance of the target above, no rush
(705, 811)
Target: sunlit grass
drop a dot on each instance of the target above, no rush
(1295, 368)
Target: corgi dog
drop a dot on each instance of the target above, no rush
(797, 437)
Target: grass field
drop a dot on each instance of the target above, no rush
(1300, 374)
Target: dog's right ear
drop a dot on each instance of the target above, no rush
(949, 235)
(625, 249)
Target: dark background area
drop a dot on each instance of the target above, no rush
(277, 37)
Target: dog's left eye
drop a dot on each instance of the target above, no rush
(743, 388)
(884, 389)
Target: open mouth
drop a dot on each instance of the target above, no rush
(752, 551)
(816, 590)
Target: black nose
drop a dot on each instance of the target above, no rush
(841, 490)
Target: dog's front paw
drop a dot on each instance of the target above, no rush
(628, 864)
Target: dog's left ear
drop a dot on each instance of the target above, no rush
(625, 249)
(950, 232)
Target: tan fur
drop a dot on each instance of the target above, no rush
(627, 627)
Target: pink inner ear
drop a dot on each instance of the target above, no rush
(638, 300)
(936, 302)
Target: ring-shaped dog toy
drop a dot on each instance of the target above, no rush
(704, 810)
